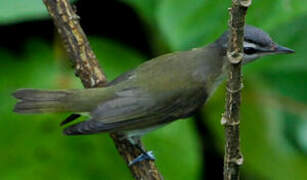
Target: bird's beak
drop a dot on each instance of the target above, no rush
(282, 50)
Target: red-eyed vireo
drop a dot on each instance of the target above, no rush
(157, 92)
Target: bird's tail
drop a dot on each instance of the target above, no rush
(42, 101)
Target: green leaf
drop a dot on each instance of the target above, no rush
(287, 83)
(275, 12)
(146, 9)
(188, 24)
(14, 11)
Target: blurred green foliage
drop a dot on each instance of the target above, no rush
(274, 108)
(12, 11)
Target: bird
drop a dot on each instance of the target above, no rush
(159, 91)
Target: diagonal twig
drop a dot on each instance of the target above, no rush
(88, 70)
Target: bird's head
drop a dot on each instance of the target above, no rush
(257, 43)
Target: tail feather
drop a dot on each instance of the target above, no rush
(39, 95)
(40, 101)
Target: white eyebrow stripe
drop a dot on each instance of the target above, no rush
(248, 44)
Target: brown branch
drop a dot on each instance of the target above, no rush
(231, 118)
(88, 70)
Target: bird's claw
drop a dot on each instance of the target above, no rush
(144, 156)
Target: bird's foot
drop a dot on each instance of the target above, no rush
(144, 156)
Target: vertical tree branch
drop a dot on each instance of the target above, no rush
(88, 70)
(231, 118)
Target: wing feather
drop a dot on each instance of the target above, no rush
(132, 109)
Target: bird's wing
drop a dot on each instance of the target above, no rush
(127, 104)
(133, 109)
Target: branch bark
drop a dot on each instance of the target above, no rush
(231, 118)
(88, 70)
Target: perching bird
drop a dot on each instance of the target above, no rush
(157, 92)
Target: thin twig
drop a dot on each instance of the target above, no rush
(88, 70)
(231, 118)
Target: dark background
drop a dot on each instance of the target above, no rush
(126, 33)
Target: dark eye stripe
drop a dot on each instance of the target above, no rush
(249, 50)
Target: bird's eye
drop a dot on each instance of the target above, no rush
(249, 50)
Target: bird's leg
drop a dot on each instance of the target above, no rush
(145, 155)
